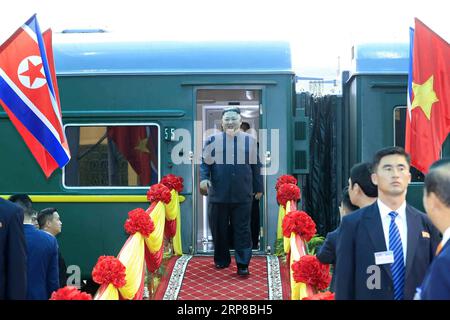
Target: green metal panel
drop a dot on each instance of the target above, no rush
(301, 135)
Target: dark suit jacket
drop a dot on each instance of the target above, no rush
(436, 285)
(232, 181)
(327, 253)
(13, 252)
(361, 235)
(42, 250)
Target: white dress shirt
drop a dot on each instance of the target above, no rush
(445, 237)
(400, 220)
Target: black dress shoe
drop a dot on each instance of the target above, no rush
(243, 272)
(221, 266)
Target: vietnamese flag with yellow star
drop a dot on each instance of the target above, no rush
(428, 116)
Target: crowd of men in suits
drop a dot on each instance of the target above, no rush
(387, 249)
(31, 265)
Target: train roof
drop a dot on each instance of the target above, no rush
(105, 53)
(380, 58)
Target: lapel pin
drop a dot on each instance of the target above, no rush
(425, 234)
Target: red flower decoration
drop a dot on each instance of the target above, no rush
(321, 296)
(300, 223)
(172, 181)
(287, 178)
(288, 192)
(139, 221)
(70, 293)
(108, 270)
(159, 192)
(311, 271)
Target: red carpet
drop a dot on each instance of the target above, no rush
(196, 278)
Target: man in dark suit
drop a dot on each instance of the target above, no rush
(436, 200)
(230, 174)
(384, 250)
(50, 222)
(13, 254)
(360, 193)
(42, 255)
(327, 251)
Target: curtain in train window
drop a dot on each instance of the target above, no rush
(112, 156)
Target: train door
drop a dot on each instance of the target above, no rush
(209, 106)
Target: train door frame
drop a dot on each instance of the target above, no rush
(198, 120)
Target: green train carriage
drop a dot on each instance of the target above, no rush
(162, 89)
(170, 95)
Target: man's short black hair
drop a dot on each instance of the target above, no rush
(346, 200)
(437, 180)
(45, 215)
(234, 109)
(387, 152)
(24, 201)
(360, 173)
(245, 126)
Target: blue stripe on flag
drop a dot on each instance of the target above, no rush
(32, 122)
(33, 24)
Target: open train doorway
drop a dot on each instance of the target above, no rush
(210, 104)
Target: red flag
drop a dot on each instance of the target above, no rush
(428, 117)
(28, 95)
(137, 146)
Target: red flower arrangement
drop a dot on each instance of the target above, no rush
(321, 296)
(70, 293)
(287, 192)
(300, 223)
(172, 181)
(108, 270)
(139, 221)
(286, 178)
(159, 192)
(311, 271)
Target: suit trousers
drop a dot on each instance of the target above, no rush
(221, 215)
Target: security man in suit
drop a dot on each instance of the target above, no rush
(360, 193)
(327, 251)
(42, 254)
(436, 200)
(13, 253)
(383, 250)
(230, 174)
(50, 222)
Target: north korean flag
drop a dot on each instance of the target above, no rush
(29, 95)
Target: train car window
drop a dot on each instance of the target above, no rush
(112, 156)
(399, 138)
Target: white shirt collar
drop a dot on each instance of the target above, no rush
(445, 237)
(47, 232)
(385, 210)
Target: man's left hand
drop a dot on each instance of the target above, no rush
(258, 195)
